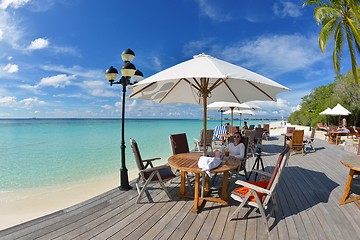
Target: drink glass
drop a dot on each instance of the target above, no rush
(226, 152)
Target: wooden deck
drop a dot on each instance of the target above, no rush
(308, 197)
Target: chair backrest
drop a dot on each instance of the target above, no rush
(219, 130)
(250, 134)
(251, 127)
(290, 129)
(267, 127)
(297, 138)
(245, 141)
(277, 172)
(138, 159)
(209, 137)
(179, 143)
(258, 133)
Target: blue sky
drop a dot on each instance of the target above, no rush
(53, 54)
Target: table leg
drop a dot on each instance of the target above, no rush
(196, 193)
(347, 187)
(182, 183)
(284, 142)
(224, 186)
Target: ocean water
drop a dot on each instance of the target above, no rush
(37, 153)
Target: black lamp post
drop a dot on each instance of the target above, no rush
(128, 72)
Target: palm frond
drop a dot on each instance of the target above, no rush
(324, 14)
(326, 33)
(350, 40)
(315, 3)
(339, 43)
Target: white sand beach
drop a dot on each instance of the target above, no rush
(19, 207)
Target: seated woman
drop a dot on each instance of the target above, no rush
(236, 148)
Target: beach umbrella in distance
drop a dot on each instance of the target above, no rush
(206, 79)
(240, 112)
(327, 111)
(231, 106)
(339, 110)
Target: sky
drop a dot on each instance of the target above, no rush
(53, 53)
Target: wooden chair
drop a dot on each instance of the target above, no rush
(261, 194)
(251, 135)
(309, 141)
(258, 136)
(242, 166)
(208, 143)
(179, 143)
(353, 133)
(297, 141)
(153, 174)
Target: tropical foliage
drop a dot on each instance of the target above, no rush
(339, 19)
(343, 90)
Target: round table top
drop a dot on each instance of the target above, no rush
(189, 162)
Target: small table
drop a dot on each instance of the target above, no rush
(354, 165)
(257, 163)
(188, 162)
(335, 134)
(225, 137)
(286, 136)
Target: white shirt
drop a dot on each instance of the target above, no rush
(237, 151)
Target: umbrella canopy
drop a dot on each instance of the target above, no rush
(339, 110)
(231, 106)
(240, 112)
(326, 111)
(205, 78)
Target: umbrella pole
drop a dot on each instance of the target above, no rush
(240, 120)
(232, 116)
(205, 119)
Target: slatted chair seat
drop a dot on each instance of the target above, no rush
(261, 194)
(148, 173)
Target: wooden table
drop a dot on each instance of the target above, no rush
(188, 162)
(354, 165)
(286, 136)
(335, 134)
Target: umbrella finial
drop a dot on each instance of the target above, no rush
(202, 55)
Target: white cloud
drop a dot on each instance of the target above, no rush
(212, 12)
(13, 3)
(31, 102)
(39, 43)
(276, 53)
(60, 80)
(284, 9)
(8, 100)
(11, 68)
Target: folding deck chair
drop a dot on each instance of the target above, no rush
(261, 195)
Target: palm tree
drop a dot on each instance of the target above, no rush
(338, 17)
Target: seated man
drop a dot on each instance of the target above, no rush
(245, 127)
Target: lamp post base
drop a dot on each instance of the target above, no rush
(124, 180)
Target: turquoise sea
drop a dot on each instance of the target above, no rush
(45, 152)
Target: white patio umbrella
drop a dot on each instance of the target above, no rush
(231, 106)
(327, 111)
(240, 112)
(205, 78)
(339, 110)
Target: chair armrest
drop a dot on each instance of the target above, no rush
(267, 174)
(154, 168)
(151, 159)
(253, 187)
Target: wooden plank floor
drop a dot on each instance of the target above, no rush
(308, 197)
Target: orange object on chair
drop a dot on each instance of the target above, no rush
(244, 190)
